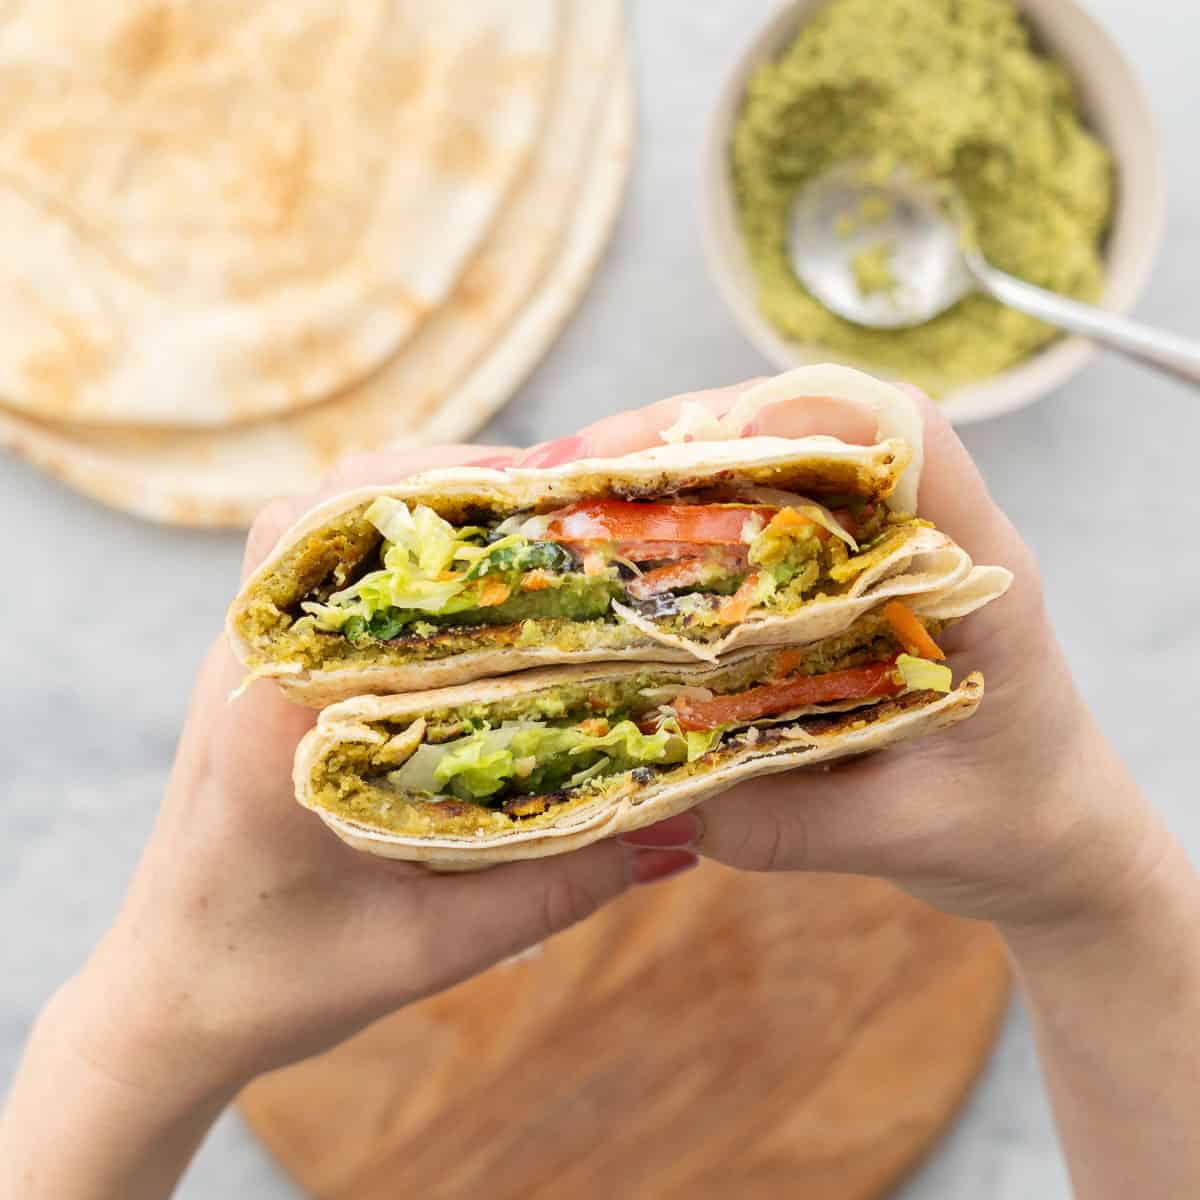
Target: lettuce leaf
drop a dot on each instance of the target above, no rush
(532, 756)
(428, 567)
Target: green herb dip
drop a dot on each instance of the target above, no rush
(951, 88)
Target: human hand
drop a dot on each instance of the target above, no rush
(251, 936)
(997, 818)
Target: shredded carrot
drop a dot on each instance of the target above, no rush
(790, 518)
(493, 592)
(793, 518)
(740, 603)
(446, 576)
(909, 631)
(537, 580)
(786, 662)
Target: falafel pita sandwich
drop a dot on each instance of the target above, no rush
(686, 552)
(549, 761)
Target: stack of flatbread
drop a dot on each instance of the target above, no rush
(241, 240)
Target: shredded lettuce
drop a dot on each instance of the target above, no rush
(922, 675)
(701, 741)
(428, 567)
(532, 757)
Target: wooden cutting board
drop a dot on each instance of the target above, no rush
(719, 1036)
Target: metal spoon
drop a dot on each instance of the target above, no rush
(915, 227)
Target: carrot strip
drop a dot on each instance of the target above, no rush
(787, 661)
(909, 631)
(537, 580)
(493, 592)
(741, 602)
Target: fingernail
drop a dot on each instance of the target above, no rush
(649, 866)
(750, 429)
(493, 460)
(676, 832)
(554, 454)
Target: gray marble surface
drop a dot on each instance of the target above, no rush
(1099, 478)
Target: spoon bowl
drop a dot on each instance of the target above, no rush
(892, 253)
(845, 221)
(1115, 106)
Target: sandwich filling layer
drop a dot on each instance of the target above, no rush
(397, 582)
(486, 769)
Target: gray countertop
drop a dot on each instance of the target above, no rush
(1109, 457)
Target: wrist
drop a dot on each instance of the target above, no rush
(125, 1021)
(98, 1110)
(1104, 856)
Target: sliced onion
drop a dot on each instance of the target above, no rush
(531, 527)
(809, 508)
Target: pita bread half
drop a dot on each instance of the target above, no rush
(216, 212)
(922, 561)
(929, 561)
(838, 732)
(460, 367)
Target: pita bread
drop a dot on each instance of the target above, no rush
(924, 562)
(625, 806)
(223, 479)
(215, 212)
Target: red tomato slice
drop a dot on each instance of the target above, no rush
(627, 521)
(683, 574)
(771, 699)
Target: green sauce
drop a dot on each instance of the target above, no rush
(951, 88)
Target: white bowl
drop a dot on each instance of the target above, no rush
(1115, 107)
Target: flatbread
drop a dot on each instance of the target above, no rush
(926, 563)
(631, 807)
(215, 212)
(223, 479)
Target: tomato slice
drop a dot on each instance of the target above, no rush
(686, 573)
(628, 521)
(771, 699)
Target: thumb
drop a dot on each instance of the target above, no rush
(474, 920)
(857, 816)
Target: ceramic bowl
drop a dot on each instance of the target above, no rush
(1115, 107)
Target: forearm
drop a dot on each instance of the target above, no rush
(1115, 1001)
(88, 1119)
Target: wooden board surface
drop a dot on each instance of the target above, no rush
(721, 1035)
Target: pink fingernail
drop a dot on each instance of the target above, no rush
(554, 454)
(675, 832)
(649, 866)
(493, 460)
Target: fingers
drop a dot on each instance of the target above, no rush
(860, 816)
(953, 494)
(467, 922)
(642, 428)
(359, 470)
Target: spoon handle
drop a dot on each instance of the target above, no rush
(1176, 355)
